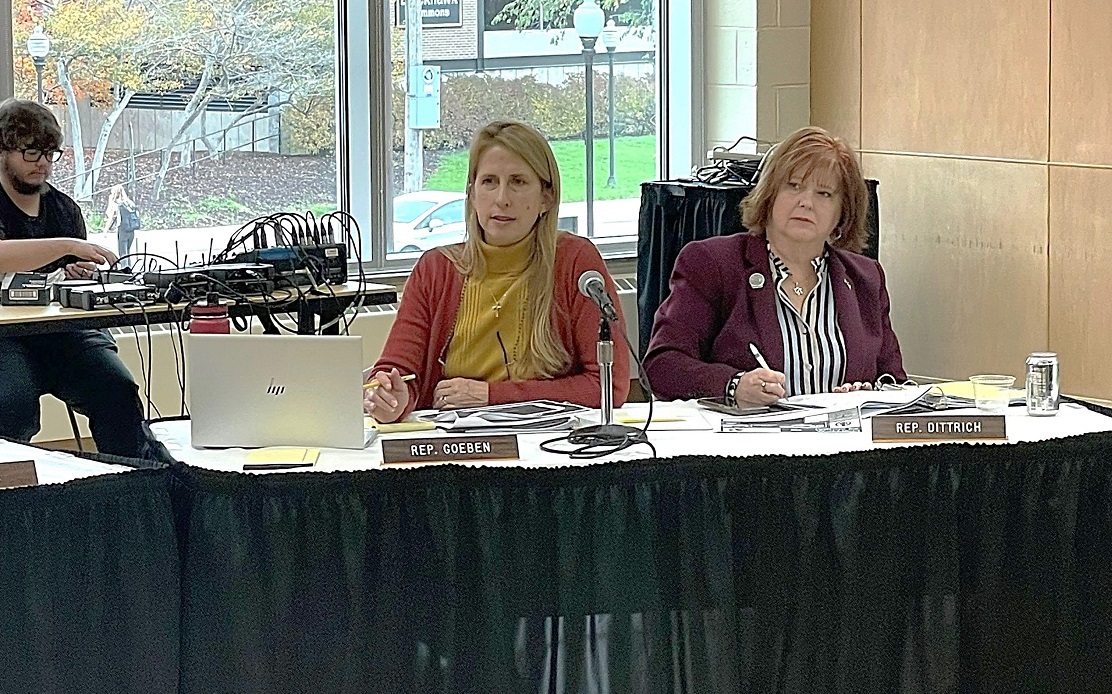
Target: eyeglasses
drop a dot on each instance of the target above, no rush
(33, 155)
(506, 361)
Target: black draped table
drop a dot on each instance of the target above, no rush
(89, 581)
(948, 568)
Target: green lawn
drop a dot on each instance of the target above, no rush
(635, 159)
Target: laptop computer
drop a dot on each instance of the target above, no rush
(276, 390)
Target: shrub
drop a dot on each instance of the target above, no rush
(308, 127)
(469, 101)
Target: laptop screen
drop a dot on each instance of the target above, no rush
(249, 390)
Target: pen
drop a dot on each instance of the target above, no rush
(376, 383)
(757, 355)
(274, 466)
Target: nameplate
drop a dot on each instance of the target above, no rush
(19, 473)
(966, 427)
(441, 448)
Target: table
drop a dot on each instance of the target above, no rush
(89, 579)
(326, 305)
(942, 568)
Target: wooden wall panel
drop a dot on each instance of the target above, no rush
(963, 244)
(1080, 90)
(965, 77)
(836, 68)
(1080, 281)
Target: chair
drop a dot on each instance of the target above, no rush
(75, 428)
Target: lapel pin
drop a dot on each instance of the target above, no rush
(846, 280)
(756, 280)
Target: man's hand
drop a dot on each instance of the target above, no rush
(97, 255)
(91, 256)
(80, 271)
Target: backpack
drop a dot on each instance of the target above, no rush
(129, 218)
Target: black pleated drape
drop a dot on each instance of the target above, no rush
(951, 568)
(89, 584)
(674, 213)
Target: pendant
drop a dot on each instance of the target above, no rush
(497, 308)
(798, 290)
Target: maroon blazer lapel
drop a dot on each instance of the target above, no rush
(849, 320)
(762, 301)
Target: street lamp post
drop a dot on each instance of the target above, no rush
(38, 47)
(588, 19)
(610, 39)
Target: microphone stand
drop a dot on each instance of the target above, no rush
(607, 431)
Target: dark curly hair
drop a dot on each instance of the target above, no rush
(28, 125)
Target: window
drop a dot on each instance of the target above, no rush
(200, 146)
(474, 61)
(314, 105)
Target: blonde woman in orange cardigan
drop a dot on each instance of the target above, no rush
(499, 318)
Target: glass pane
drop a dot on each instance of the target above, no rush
(475, 61)
(200, 145)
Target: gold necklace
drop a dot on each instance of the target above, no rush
(497, 305)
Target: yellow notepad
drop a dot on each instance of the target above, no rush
(283, 455)
(398, 427)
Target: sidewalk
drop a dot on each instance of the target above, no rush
(180, 246)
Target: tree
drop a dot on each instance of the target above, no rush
(638, 15)
(94, 44)
(251, 48)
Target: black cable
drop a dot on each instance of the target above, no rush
(139, 349)
(605, 446)
(179, 350)
(354, 241)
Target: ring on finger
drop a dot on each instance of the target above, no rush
(763, 384)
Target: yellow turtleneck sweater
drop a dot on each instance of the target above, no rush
(491, 306)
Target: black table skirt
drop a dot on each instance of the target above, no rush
(89, 587)
(952, 568)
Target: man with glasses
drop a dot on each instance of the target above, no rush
(42, 230)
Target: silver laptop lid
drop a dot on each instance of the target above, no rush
(275, 390)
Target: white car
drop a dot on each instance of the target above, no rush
(427, 219)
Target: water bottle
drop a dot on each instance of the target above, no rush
(209, 317)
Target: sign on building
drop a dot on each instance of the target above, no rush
(434, 13)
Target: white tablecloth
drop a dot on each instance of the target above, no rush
(55, 467)
(696, 434)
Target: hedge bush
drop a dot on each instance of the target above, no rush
(469, 101)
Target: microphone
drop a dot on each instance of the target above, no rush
(592, 286)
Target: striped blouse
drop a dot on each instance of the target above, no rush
(814, 348)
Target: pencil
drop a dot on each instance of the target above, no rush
(376, 384)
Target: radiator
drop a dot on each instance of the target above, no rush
(158, 362)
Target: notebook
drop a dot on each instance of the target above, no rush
(276, 390)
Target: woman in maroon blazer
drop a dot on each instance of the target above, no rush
(794, 288)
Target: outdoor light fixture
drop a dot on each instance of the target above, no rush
(38, 47)
(588, 20)
(610, 37)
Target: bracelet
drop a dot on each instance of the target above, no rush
(731, 388)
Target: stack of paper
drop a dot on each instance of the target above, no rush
(829, 419)
(871, 402)
(515, 418)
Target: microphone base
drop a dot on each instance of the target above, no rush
(606, 433)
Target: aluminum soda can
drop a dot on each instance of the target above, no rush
(1042, 384)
